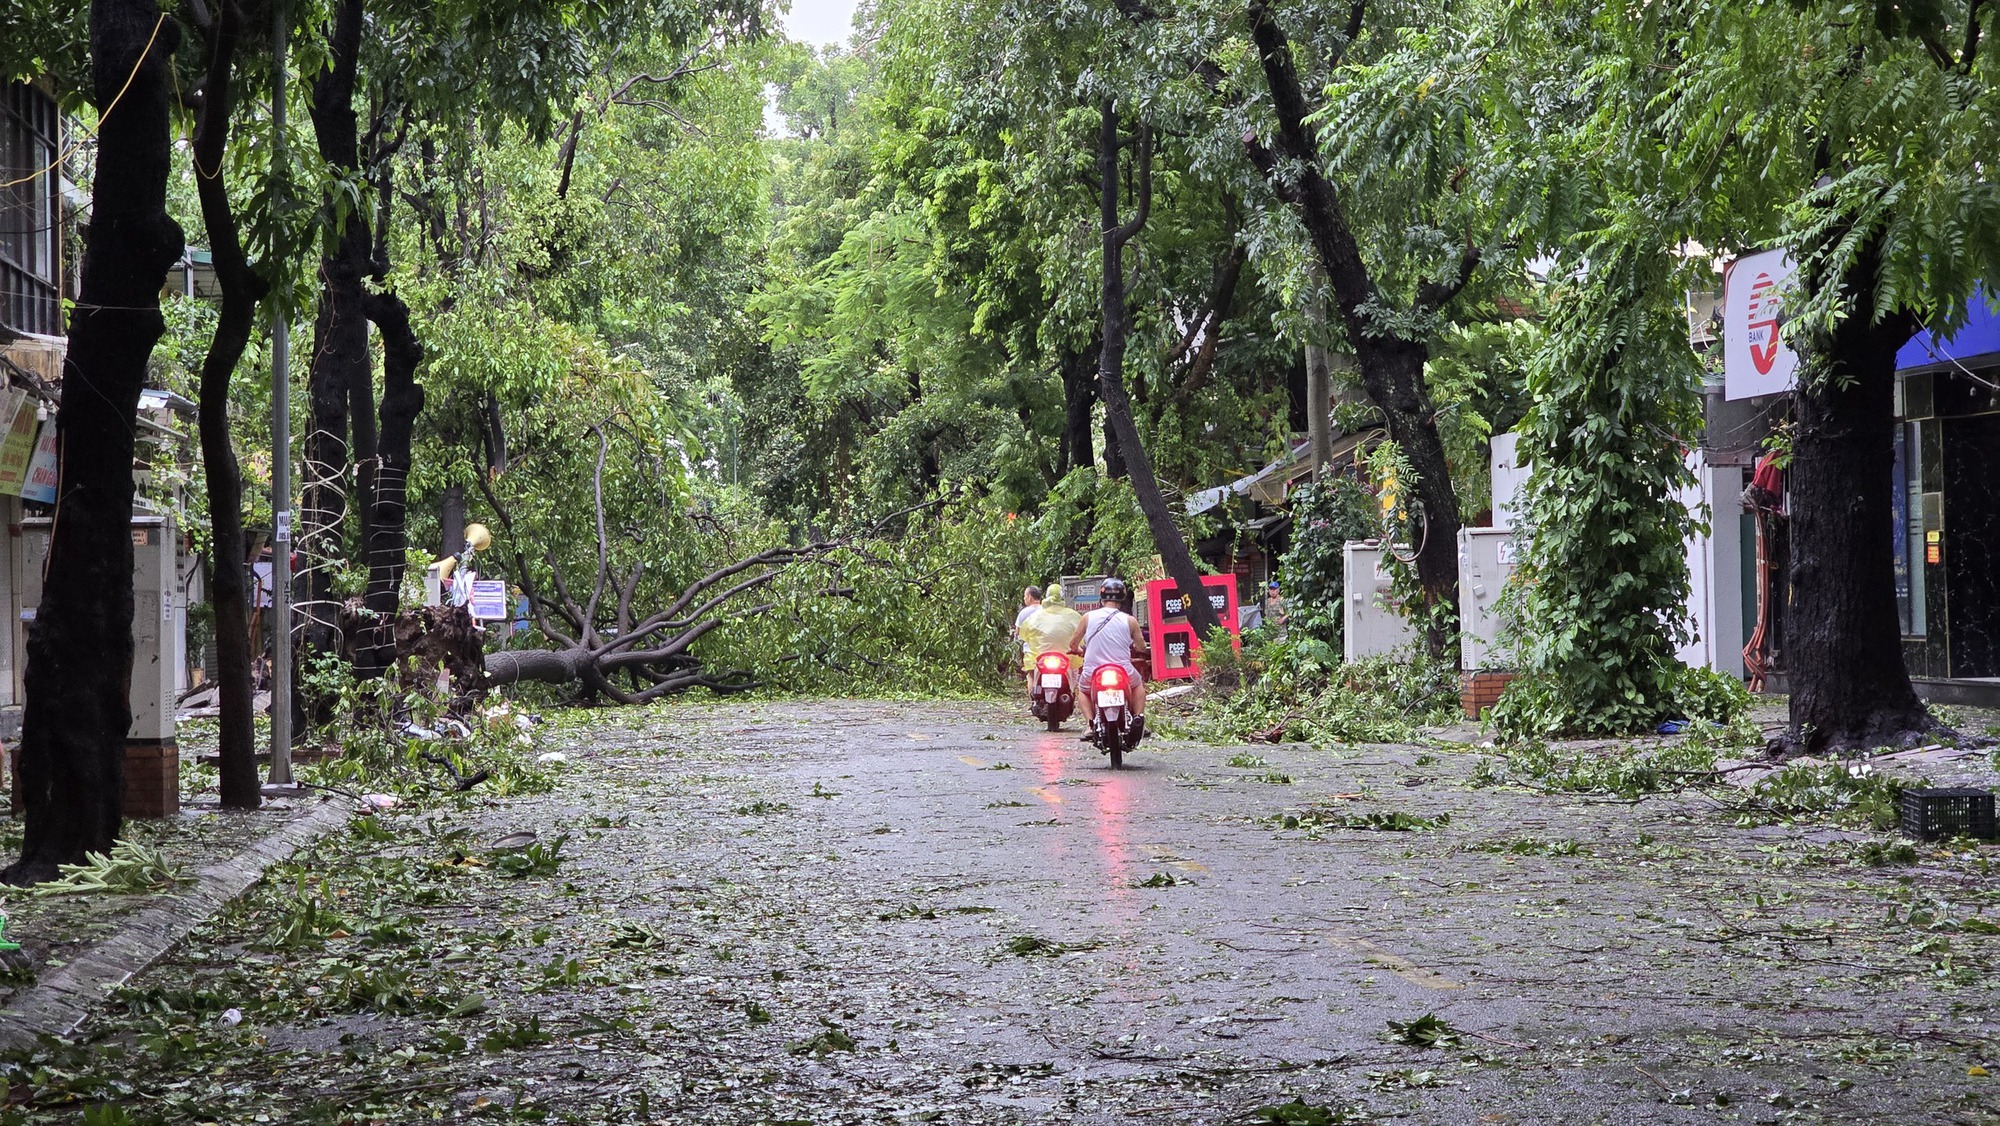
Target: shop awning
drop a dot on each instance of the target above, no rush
(1272, 484)
(1976, 344)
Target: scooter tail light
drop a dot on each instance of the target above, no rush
(1054, 662)
(1111, 676)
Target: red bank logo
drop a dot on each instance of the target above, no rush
(1761, 331)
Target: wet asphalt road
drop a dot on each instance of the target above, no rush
(855, 912)
(1008, 931)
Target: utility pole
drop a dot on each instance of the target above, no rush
(281, 450)
(1319, 384)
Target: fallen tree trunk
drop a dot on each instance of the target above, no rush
(574, 666)
(538, 666)
(604, 646)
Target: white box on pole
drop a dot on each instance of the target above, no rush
(156, 636)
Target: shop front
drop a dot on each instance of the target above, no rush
(1947, 524)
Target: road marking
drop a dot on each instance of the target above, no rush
(1047, 795)
(970, 761)
(1395, 963)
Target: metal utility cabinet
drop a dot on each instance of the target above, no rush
(1485, 563)
(1372, 626)
(152, 753)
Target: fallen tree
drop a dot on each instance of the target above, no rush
(609, 649)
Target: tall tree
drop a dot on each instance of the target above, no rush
(429, 67)
(1860, 138)
(1117, 232)
(242, 289)
(1388, 342)
(341, 366)
(80, 650)
(1842, 485)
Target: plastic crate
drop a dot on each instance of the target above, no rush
(1929, 815)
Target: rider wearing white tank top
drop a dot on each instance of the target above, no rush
(1107, 637)
(1108, 640)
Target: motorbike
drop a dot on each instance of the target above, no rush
(1053, 699)
(1113, 726)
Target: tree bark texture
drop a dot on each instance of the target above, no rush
(1115, 467)
(1392, 368)
(79, 660)
(388, 532)
(1850, 686)
(242, 289)
(1117, 320)
(340, 357)
(451, 520)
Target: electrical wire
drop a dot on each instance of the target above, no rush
(70, 151)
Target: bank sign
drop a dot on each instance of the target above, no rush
(1755, 359)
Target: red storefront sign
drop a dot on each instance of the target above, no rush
(1176, 649)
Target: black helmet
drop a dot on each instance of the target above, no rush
(1114, 591)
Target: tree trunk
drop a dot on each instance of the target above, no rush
(388, 535)
(1114, 454)
(1077, 447)
(242, 289)
(1850, 687)
(1392, 368)
(1167, 537)
(340, 336)
(493, 432)
(451, 520)
(79, 666)
(537, 666)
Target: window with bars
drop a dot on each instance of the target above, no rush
(30, 212)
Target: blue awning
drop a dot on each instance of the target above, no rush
(1975, 344)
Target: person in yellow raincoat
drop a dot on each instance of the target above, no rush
(1048, 630)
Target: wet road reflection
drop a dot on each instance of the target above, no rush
(1074, 780)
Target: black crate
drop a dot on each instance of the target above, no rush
(1929, 815)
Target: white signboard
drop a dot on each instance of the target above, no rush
(489, 599)
(42, 477)
(1755, 361)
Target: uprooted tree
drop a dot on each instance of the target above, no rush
(612, 647)
(651, 655)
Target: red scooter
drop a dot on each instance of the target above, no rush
(1113, 726)
(1052, 698)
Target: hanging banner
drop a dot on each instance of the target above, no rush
(41, 484)
(17, 449)
(1176, 649)
(1755, 359)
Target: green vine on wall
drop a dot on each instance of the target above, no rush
(1598, 605)
(1326, 513)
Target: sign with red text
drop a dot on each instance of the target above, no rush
(1176, 649)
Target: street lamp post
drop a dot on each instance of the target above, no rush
(281, 451)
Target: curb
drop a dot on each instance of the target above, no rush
(57, 1004)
